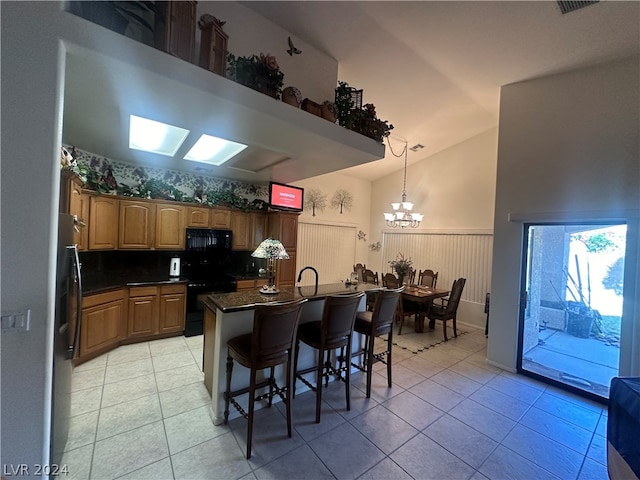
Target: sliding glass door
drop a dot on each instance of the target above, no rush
(571, 306)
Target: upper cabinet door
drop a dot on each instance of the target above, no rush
(136, 225)
(198, 217)
(79, 206)
(258, 228)
(240, 225)
(170, 232)
(284, 227)
(220, 218)
(103, 227)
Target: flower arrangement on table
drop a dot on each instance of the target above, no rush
(401, 265)
(261, 73)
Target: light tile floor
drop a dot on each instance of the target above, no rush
(142, 412)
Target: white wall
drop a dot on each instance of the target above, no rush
(454, 189)
(568, 150)
(313, 72)
(31, 133)
(358, 216)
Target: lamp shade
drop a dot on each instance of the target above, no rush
(272, 249)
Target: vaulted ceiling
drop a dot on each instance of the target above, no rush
(434, 68)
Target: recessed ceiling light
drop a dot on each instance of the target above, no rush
(156, 137)
(213, 150)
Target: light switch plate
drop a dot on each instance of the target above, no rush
(16, 321)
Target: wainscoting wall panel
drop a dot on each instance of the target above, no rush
(452, 255)
(330, 249)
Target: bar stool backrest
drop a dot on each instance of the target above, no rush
(274, 330)
(338, 317)
(384, 310)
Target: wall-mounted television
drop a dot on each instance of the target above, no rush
(286, 197)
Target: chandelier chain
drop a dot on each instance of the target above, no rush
(403, 152)
(402, 215)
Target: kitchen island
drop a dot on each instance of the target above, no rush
(228, 315)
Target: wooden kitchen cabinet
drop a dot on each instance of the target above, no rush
(156, 310)
(103, 324)
(286, 270)
(75, 202)
(173, 308)
(284, 227)
(169, 227)
(240, 226)
(250, 284)
(79, 206)
(208, 217)
(103, 223)
(258, 228)
(220, 218)
(143, 312)
(145, 226)
(136, 225)
(249, 229)
(198, 217)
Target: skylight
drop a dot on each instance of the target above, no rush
(156, 137)
(213, 150)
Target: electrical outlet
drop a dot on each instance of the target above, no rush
(17, 321)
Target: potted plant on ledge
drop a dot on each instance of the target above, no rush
(261, 73)
(360, 118)
(366, 122)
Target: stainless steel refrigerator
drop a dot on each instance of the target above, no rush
(68, 315)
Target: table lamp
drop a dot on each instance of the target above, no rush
(272, 250)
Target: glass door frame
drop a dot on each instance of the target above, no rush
(525, 272)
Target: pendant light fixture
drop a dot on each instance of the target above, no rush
(402, 215)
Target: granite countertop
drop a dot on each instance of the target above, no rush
(248, 299)
(102, 283)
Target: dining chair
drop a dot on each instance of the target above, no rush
(373, 324)
(359, 269)
(334, 330)
(370, 277)
(408, 308)
(269, 344)
(411, 276)
(448, 308)
(389, 280)
(428, 278)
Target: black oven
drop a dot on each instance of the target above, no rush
(196, 293)
(206, 259)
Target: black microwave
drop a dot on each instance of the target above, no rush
(208, 240)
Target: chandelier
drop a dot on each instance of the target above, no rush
(402, 215)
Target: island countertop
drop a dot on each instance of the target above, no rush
(248, 299)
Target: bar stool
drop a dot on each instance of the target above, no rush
(333, 331)
(269, 344)
(372, 325)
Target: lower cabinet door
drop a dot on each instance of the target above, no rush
(102, 325)
(172, 309)
(143, 311)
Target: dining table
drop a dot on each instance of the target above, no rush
(424, 295)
